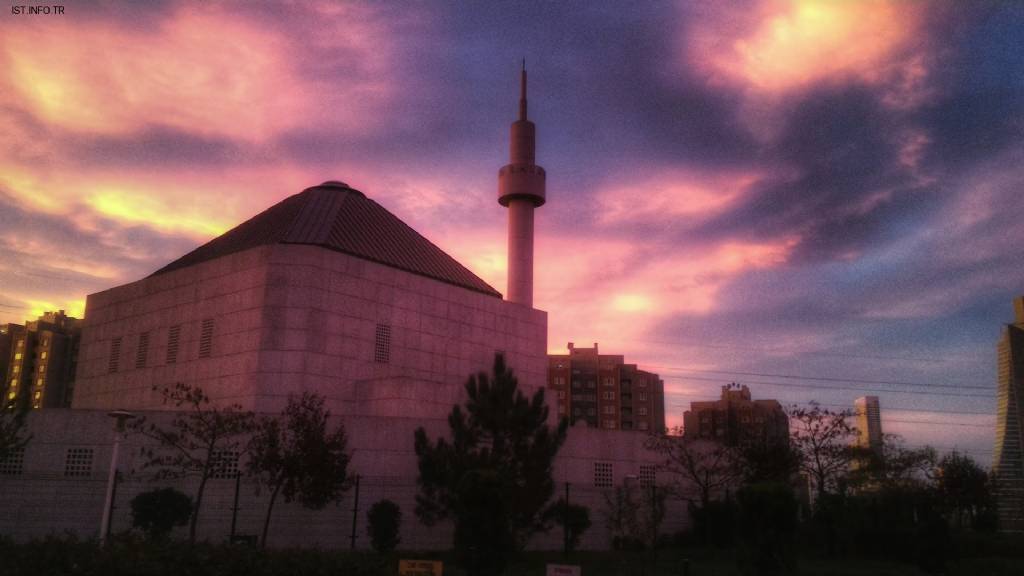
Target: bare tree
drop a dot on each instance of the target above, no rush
(197, 440)
(894, 465)
(822, 440)
(699, 469)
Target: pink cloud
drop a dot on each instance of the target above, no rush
(205, 70)
(672, 194)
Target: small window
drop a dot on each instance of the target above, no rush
(382, 347)
(115, 355)
(78, 462)
(642, 411)
(42, 368)
(21, 344)
(647, 475)
(206, 338)
(17, 356)
(142, 352)
(43, 355)
(603, 475)
(609, 424)
(16, 368)
(173, 338)
(643, 396)
(223, 464)
(643, 426)
(608, 395)
(13, 464)
(608, 409)
(561, 394)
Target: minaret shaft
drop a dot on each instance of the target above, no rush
(521, 188)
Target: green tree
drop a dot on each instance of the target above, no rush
(198, 439)
(893, 466)
(493, 477)
(300, 458)
(383, 523)
(157, 512)
(821, 438)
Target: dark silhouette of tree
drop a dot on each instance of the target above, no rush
(493, 477)
(196, 440)
(299, 458)
(157, 512)
(13, 412)
(383, 522)
(893, 466)
(700, 470)
(634, 515)
(822, 440)
(962, 487)
(577, 517)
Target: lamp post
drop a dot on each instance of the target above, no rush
(121, 417)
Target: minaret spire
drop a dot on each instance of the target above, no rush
(521, 189)
(522, 92)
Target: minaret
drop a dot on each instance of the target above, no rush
(521, 189)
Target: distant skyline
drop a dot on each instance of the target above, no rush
(757, 192)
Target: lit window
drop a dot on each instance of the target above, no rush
(603, 477)
(39, 382)
(11, 395)
(78, 462)
(382, 344)
(42, 368)
(17, 356)
(21, 343)
(17, 368)
(38, 395)
(43, 355)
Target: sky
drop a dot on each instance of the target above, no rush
(819, 200)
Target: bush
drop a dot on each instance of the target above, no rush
(384, 520)
(157, 512)
(767, 529)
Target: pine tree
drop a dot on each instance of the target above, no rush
(493, 477)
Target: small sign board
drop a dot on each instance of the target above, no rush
(420, 567)
(563, 570)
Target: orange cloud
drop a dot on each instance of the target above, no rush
(783, 45)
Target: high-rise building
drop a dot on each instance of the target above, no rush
(40, 358)
(736, 417)
(869, 422)
(1008, 464)
(605, 392)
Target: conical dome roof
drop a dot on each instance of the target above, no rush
(337, 217)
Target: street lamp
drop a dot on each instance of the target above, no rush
(120, 417)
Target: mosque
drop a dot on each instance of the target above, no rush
(325, 291)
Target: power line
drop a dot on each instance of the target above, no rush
(888, 408)
(822, 378)
(848, 388)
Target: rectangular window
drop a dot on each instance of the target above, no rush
(561, 394)
(223, 464)
(608, 424)
(78, 462)
(609, 382)
(173, 338)
(115, 355)
(647, 475)
(382, 344)
(603, 475)
(642, 411)
(16, 368)
(642, 426)
(13, 464)
(608, 409)
(42, 368)
(43, 355)
(643, 396)
(206, 338)
(17, 356)
(608, 395)
(21, 344)
(142, 352)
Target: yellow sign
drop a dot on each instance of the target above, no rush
(420, 568)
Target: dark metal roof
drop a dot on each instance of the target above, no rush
(340, 218)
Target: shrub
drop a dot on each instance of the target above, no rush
(158, 511)
(385, 519)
